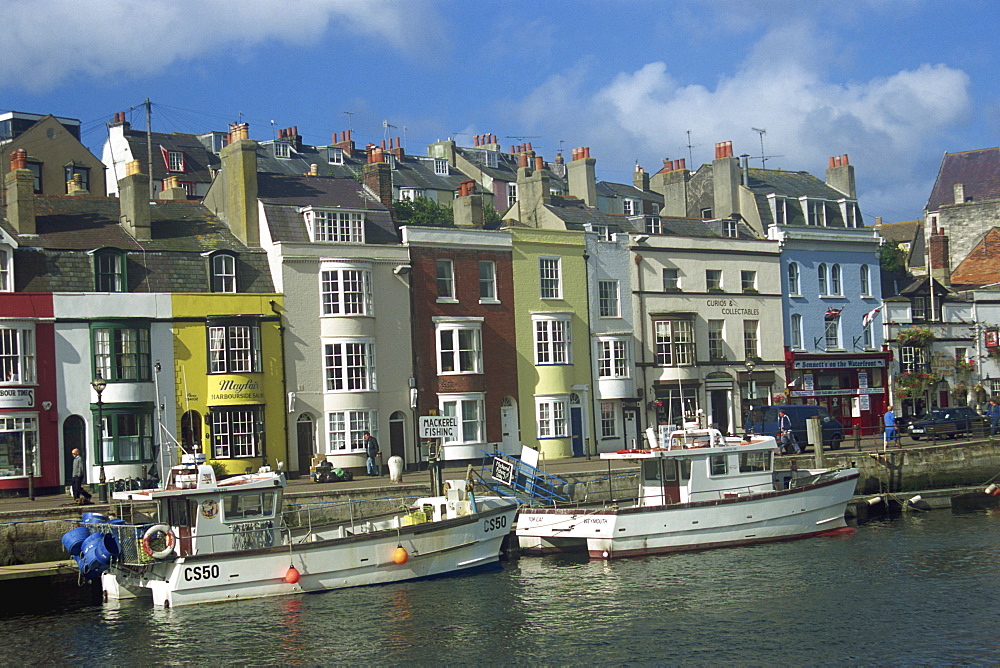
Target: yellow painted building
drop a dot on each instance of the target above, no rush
(229, 378)
(553, 335)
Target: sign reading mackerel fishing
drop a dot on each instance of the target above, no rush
(234, 390)
(729, 307)
(439, 426)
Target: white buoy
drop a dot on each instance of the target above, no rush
(874, 500)
(914, 500)
(395, 468)
(991, 490)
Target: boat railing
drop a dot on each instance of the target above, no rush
(513, 478)
(356, 515)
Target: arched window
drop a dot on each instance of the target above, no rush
(835, 280)
(866, 280)
(793, 278)
(796, 339)
(821, 279)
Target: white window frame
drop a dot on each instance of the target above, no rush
(345, 289)
(794, 280)
(459, 343)
(831, 329)
(349, 365)
(335, 155)
(236, 431)
(608, 299)
(630, 207)
(5, 272)
(779, 209)
(468, 409)
(232, 348)
(488, 282)
(282, 150)
(550, 277)
(22, 428)
(553, 339)
(708, 282)
(441, 166)
(866, 281)
(491, 158)
(223, 273)
(796, 332)
(335, 226)
(913, 359)
(751, 284)
(822, 280)
(730, 228)
(17, 353)
(674, 342)
(676, 279)
(716, 339)
(410, 194)
(345, 430)
(613, 357)
(552, 416)
(654, 225)
(609, 419)
(836, 284)
(751, 338)
(444, 272)
(175, 161)
(511, 194)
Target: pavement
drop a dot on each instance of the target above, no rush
(13, 507)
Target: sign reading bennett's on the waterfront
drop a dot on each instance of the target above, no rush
(439, 426)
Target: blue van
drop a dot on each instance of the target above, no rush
(764, 420)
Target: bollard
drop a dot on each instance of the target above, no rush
(857, 437)
(814, 434)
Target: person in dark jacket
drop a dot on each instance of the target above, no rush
(993, 413)
(81, 495)
(371, 448)
(785, 434)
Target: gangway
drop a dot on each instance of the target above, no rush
(511, 477)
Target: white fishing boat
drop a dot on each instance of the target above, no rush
(700, 490)
(218, 540)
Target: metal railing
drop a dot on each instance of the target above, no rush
(514, 478)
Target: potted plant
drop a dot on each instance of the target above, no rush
(914, 337)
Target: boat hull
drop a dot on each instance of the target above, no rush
(432, 549)
(631, 531)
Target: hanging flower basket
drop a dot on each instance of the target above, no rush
(960, 390)
(979, 393)
(779, 398)
(914, 337)
(915, 384)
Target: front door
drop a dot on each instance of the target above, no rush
(304, 434)
(630, 416)
(397, 435)
(720, 410)
(576, 430)
(73, 429)
(510, 433)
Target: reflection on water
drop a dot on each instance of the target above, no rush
(920, 589)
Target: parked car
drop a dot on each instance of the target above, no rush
(948, 422)
(764, 420)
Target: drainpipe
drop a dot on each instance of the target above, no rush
(590, 356)
(642, 341)
(284, 394)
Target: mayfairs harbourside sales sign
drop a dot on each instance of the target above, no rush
(439, 426)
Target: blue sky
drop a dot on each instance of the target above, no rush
(893, 83)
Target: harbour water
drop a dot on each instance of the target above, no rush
(923, 588)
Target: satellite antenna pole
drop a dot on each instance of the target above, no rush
(689, 147)
(149, 145)
(386, 124)
(763, 156)
(349, 120)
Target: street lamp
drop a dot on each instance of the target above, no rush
(99, 384)
(750, 363)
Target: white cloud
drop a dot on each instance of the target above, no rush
(133, 38)
(888, 125)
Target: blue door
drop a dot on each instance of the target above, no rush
(576, 430)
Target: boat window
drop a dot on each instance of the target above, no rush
(754, 461)
(247, 506)
(651, 469)
(718, 464)
(685, 467)
(178, 513)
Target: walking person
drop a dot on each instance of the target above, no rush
(993, 413)
(371, 448)
(891, 433)
(80, 495)
(785, 434)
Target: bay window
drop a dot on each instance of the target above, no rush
(551, 416)
(17, 353)
(345, 289)
(349, 365)
(467, 409)
(345, 430)
(552, 339)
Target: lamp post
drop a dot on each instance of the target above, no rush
(750, 363)
(99, 384)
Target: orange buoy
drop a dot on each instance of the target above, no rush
(292, 575)
(400, 556)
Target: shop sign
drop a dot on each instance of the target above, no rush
(439, 426)
(234, 390)
(840, 364)
(17, 397)
(991, 337)
(862, 379)
(807, 383)
(850, 391)
(729, 307)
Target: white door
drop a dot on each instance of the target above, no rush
(511, 443)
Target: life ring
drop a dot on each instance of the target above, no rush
(151, 533)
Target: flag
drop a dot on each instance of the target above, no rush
(868, 317)
(832, 313)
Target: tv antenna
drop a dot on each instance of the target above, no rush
(386, 124)
(690, 146)
(523, 137)
(350, 124)
(763, 156)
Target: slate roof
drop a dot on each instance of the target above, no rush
(978, 171)
(624, 190)
(507, 165)
(283, 196)
(982, 265)
(418, 172)
(578, 216)
(908, 232)
(199, 162)
(56, 259)
(302, 157)
(792, 185)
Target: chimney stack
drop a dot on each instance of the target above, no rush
(19, 184)
(640, 179)
(377, 176)
(582, 176)
(238, 205)
(133, 193)
(172, 189)
(725, 181)
(959, 189)
(940, 258)
(840, 175)
(468, 208)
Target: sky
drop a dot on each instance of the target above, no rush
(894, 84)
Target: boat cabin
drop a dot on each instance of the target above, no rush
(702, 465)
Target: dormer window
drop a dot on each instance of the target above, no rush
(629, 207)
(223, 269)
(654, 225)
(335, 155)
(336, 226)
(410, 194)
(393, 163)
(730, 228)
(84, 173)
(174, 160)
(282, 149)
(491, 159)
(109, 271)
(5, 272)
(440, 166)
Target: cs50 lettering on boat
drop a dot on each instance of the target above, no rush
(207, 572)
(495, 523)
